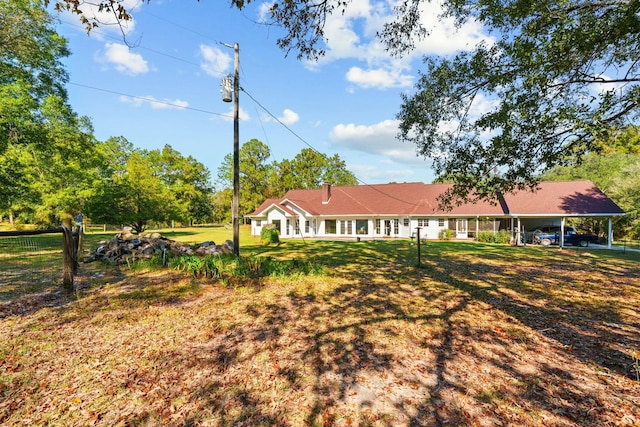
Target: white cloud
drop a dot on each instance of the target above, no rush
(352, 35)
(480, 106)
(445, 37)
(382, 173)
(242, 115)
(108, 21)
(377, 139)
(120, 56)
(288, 117)
(379, 78)
(263, 12)
(599, 89)
(155, 103)
(214, 62)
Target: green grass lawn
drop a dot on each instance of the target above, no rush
(190, 235)
(477, 335)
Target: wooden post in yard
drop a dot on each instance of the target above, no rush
(418, 237)
(68, 256)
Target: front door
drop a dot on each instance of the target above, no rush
(387, 228)
(461, 228)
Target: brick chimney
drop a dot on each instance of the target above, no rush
(326, 193)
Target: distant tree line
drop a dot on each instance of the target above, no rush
(261, 179)
(52, 166)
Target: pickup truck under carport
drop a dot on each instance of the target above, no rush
(571, 237)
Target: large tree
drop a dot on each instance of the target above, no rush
(560, 74)
(310, 169)
(189, 181)
(44, 147)
(255, 174)
(31, 70)
(260, 180)
(139, 187)
(136, 196)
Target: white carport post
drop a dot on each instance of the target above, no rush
(562, 232)
(610, 233)
(477, 226)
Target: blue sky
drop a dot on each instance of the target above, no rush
(165, 87)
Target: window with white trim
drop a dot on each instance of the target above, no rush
(362, 226)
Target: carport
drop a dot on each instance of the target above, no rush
(555, 202)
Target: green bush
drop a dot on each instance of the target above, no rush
(270, 234)
(211, 266)
(227, 266)
(445, 234)
(486, 237)
(502, 236)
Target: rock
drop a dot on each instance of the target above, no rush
(227, 247)
(126, 245)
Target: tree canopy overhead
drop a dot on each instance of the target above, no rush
(560, 75)
(31, 70)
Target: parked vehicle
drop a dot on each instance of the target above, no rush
(551, 236)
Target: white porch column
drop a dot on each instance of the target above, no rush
(610, 233)
(562, 232)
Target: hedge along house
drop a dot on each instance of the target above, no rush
(397, 210)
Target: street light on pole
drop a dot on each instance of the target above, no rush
(226, 96)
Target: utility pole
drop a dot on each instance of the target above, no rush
(235, 205)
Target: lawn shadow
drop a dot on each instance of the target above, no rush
(464, 339)
(560, 306)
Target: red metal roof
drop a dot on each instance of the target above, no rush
(566, 198)
(570, 198)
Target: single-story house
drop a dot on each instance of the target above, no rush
(398, 210)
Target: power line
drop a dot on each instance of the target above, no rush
(226, 115)
(140, 46)
(319, 152)
(153, 100)
(180, 26)
(211, 112)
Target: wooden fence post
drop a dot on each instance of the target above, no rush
(69, 263)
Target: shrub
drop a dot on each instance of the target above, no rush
(270, 234)
(502, 236)
(211, 266)
(445, 234)
(225, 267)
